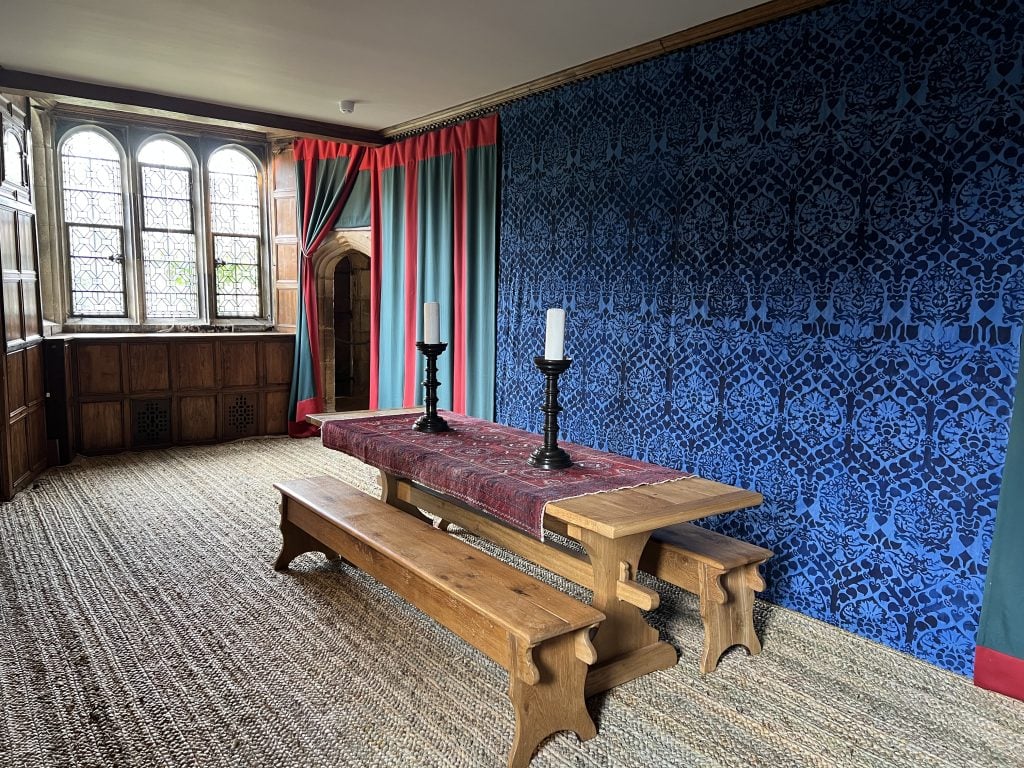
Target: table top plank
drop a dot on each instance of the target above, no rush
(634, 510)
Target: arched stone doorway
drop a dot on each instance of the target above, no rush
(342, 269)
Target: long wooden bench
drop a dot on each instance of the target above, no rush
(722, 571)
(537, 633)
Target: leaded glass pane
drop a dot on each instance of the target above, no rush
(235, 219)
(237, 276)
(167, 198)
(14, 169)
(230, 160)
(91, 144)
(97, 271)
(170, 274)
(164, 152)
(91, 177)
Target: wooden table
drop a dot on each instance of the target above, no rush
(613, 529)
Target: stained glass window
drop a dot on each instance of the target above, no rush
(93, 199)
(170, 272)
(235, 221)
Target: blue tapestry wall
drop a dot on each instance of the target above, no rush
(792, 260)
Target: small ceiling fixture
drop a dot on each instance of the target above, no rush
(347, 106)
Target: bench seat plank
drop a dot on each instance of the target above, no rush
(525, 607)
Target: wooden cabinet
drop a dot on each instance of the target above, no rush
(23, 426)
(132, 391)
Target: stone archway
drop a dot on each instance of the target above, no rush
(353, 245)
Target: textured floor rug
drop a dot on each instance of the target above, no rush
(142, 625)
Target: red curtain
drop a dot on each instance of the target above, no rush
(326, 172)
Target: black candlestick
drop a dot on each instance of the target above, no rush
(430, 421)
(550, 456)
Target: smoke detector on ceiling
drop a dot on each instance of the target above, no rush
(347, 106)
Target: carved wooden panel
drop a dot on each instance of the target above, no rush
(287, 307)
(195, 365)
(9, 240)
(35, 389)
(32, 321)
(284, 216)
(26, 242)
(239, 415)
(197, 418)
(16, 381)
(149, 367)
(99, 368)
(151, 422)
(284, 170)
(277, 362)
(276, 412)
(238, 364)
(12, 310)
(101, 426)
(18, 460)
(287, 267)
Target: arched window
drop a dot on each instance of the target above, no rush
(14, 159)
(162, 228)
(170, 274)
(93, 197)
(235, 225)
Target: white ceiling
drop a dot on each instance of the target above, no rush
(397, 59)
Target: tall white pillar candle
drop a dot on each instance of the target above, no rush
(554, 337)
(431, 323)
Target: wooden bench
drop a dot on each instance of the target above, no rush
(537, 633)
(722, 571)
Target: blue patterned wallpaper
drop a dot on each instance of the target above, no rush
(792, 261)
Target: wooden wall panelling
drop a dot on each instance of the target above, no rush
(15, 382)
(275, 412)
(285, 239)
(173, 390)
(277, 362)
(196, 418)
(22, 430)
(149, 367)
(98, 368)
(239, 364)
(18, 461)
(195, 365)
(101, 426)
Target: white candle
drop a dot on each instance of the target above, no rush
(554, 338)
(431, 323)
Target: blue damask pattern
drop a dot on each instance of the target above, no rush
(793, 259)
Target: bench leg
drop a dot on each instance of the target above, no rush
(554, 703)
(727, 610)
(295, 542)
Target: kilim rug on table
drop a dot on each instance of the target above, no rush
(141, 625)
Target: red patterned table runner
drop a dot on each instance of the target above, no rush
(484, 464)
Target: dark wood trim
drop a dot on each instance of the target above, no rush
(727, 25)
(44, 85)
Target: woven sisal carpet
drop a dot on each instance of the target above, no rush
(141, 625)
